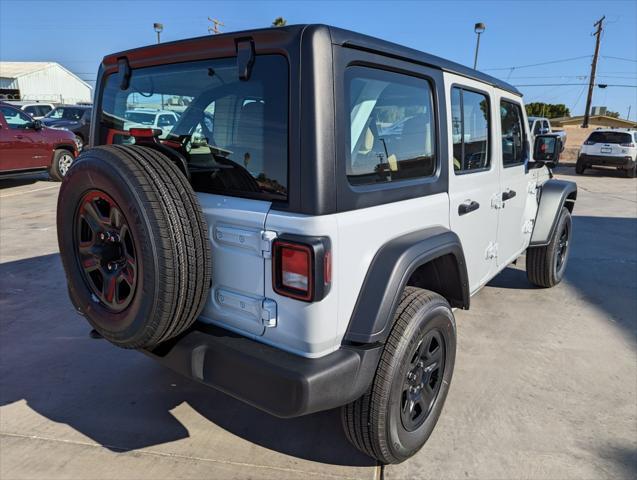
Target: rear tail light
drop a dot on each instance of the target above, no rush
(588, 142)
(301, 267)
(629, 145)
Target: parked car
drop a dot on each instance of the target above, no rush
(302, 260)
(163, 120)
(36, 109)
(75, 118)
(542, 126)
(28, 146)
(609, 147)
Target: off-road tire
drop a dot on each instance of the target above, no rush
(542, 266)
(169, 239)
(579, 167)
(373, 422)
(56, 171)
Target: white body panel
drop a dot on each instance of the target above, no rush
(235, 228)
(316, 329)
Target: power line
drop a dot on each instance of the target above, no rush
(539, 64)
(601, 85)
(620, 58)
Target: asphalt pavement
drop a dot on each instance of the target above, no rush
(545, 384)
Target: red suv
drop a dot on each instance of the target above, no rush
(26, 145)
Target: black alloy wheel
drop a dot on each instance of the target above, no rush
(423, 380)
(562, 248)
(106, 251)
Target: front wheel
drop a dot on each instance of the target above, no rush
(62, 161)
(394, 419)
(545, 266)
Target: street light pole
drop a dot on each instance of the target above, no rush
(478, 28)
(158, 27)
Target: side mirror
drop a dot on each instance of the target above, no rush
(543, 131)
(36, 125)
(546, 149)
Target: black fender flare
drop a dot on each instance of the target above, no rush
(553, 195)
(388, 274)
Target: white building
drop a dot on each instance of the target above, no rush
(42, 81)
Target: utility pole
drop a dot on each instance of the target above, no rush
(628, 116)
(591, 84)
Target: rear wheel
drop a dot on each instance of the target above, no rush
(134, 245)
(632, 171)
(62, 161)
(579, 167)
(394, 419)
(545, 266)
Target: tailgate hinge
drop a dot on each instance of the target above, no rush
(268, 313)
(267, 237)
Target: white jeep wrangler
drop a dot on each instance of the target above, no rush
(349, 194)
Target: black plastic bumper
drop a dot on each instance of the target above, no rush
(616, 161)
(268, 378)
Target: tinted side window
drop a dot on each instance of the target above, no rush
(537, 128)
(15, 118)
(470, 130)
(513, 141)
(391, 127)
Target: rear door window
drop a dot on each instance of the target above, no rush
(391, 127)
(233, 133)
(470, 130)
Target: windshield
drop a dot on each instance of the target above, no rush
(233, 133)
(610, 137)
(66, 113)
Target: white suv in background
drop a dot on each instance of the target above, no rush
(609, 146)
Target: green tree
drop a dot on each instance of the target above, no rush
(279, 22)
(549, 110)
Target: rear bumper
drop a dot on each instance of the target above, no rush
(617, 161)
(281, 383)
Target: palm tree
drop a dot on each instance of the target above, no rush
(279, 22)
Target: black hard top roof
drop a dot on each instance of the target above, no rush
(365, 42)
(351, 39)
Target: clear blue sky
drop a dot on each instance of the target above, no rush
(78, 33)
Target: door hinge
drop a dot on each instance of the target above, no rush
(532, 188)
(492, 251)
(267, 237)
(268, 313)
(496, 201)
(528, 226)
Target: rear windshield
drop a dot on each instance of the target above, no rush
(233, 133)
(610, 137)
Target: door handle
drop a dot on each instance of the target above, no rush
(508, 195)
(468, 207)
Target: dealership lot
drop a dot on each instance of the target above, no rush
(545, 383)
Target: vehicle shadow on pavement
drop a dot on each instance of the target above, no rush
(120, 398)
(602, 267)
(25, 180)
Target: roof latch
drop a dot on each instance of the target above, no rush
(245, 58)
(123, 68)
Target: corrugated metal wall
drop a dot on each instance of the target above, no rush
(53, 84)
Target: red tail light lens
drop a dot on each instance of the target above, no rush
(301, 267)
(296, 267)
(629, 145)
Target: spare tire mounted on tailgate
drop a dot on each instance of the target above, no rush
(134, 245)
